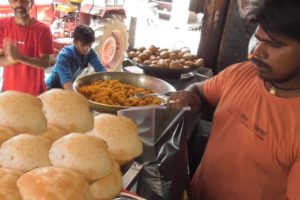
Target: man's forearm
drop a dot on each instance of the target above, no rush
(4, 61)
(68, 86)
(196, 88)
(40, 62)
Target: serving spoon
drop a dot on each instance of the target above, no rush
(160, 95)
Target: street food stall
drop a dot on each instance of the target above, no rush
(113, 137)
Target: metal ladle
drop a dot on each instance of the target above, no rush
(162, 95)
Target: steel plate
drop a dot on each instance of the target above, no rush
(163, 72)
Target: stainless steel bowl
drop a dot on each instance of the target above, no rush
(148, 82)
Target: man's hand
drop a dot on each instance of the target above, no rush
(184, 98)
(11, 51)
(68, 86)
(5, 59)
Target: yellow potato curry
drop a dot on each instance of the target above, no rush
(113, 92)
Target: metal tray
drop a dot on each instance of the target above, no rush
(163, 72)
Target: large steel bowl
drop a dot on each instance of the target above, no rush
(148, 82)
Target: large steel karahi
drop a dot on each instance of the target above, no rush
(154, 84)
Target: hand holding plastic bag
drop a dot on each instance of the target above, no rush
(165, 158)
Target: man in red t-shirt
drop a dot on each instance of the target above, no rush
(253, 152)
(25, 49)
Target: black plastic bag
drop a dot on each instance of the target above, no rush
(165, 158)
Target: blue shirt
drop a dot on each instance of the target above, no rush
(69, 64)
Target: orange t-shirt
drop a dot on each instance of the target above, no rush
(254, 147)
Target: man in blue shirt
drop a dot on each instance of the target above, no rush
(73, 59)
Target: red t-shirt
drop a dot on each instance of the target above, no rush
(254, 147)
(32, 41)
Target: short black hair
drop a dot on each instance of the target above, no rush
(279, 17)
(84, 34)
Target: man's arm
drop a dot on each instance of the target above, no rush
(191, 96)
(12, 54)
(42, 62)
(197, 89)
(63, 65)
(95, 62)
(4, 61)
(68, 85)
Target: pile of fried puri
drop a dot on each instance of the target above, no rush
(53, 148)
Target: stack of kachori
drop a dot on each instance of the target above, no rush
(121, 135)
(52, 183)
(6, 133)
(67, 110)
(53, 149)
(53, 132)
(22, 113)
(25, 152)
(8, 184)
(109, 186)
(83, 153)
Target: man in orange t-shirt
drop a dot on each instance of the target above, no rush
(25, 49)
(254, 148)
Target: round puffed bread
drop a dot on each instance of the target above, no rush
(22, 113)
(67, 110)
(8, 184)
(52, 183)
(121, 135)
(52, 133)
(6, 133)
(25, 152)
(86, 154)
(109, 186)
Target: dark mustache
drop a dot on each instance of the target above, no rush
(20, 7)
(260, 63)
